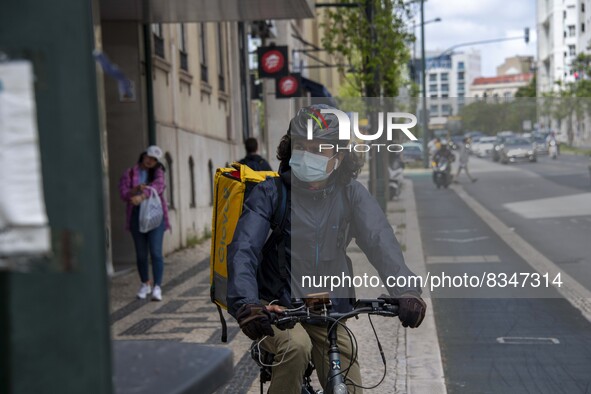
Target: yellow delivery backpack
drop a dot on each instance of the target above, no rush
(231, 186)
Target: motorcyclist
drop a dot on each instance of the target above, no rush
(323, 197)
(443, 153)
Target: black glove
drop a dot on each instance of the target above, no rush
(254, 321)
(411, 308)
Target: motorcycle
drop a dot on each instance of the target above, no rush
(553, 149)
(442, 173)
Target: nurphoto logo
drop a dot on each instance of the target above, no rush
(345, 129)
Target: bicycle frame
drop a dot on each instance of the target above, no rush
(336, 383)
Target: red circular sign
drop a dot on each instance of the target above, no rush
(288, 85)
(272, 61)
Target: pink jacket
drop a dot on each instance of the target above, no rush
(130, 179)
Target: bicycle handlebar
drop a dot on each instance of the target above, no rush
(304, 313)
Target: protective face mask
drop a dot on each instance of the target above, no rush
(310, 167)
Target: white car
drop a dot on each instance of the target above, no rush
(484, 146)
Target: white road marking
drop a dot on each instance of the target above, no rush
(463, 259)
(527, 341)
(575, 293)
(461, 240)
(555, 207)
(462, 230)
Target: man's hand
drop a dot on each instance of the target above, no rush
(254, 321)
(411, 308)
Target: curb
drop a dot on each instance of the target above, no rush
(424, 369)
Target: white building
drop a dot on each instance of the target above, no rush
(449, 78)
(501, 86)
(562, 34)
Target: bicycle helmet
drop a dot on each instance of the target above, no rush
(325, 126)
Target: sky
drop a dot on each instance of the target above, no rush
(473, 20)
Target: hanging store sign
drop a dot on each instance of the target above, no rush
(273, 62)
(288, 86)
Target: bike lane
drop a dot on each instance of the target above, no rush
(503, 339)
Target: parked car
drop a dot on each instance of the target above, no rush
(456, 141)
(541, 144)
(484, 146)
(517, 148)
(498, 145)
(412, 152)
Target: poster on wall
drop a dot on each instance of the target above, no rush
(24, 227)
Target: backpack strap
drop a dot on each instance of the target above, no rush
(279, 218)
(276, 240)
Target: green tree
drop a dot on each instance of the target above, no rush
(529, 90)
(380, 46)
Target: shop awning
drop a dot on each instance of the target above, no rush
(187, 11)
(318, 90)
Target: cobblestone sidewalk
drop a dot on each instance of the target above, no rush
(187, 315)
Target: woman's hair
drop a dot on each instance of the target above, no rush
(347, 170)
(151, 171)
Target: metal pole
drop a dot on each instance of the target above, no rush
(149, 83)
(424, 114)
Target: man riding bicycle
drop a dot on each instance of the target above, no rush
(326, 208)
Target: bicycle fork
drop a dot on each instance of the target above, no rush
(336, 379)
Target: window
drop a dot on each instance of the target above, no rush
(462, 95)
(203, 53)
(433, 87)
(461, 86)
(582, 27)
(571, 31)
(444, 95)
(445, 87)
(221, 66)
(461, 75)
(571, 50)
(192, 182)
(434, 109)
(434, 95)
(445, 109)
(158, 36)
(563, 14)
(432, 77)
(460, 66)
(169, 181)
(444, 77)
(184, 59)
(582, 7)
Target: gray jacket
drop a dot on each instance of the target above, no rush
(320, 224)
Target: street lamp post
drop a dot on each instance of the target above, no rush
(424, 113)
(414, 46)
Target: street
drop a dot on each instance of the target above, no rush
(512, 339)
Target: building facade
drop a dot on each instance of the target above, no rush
(516, 65)
(502, 86)
(562, 34)
(449, 78)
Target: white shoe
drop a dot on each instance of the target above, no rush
(144, 290)
(157, 294)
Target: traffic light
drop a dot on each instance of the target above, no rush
(526, 35)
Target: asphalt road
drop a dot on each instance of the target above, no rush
(511, 339)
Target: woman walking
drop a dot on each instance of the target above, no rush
(136, 185)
